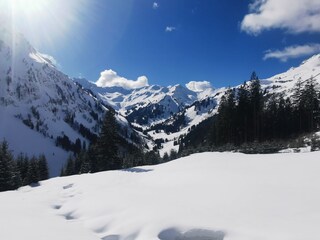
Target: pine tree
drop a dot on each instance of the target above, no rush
(85, 164)
(310, 103)
(23, 166)
(43, 168)
(78, 162)
(297, 101)
(9, 174)
(224, 127)
(77, 146)
(165, 157)
(256, 106)
(242, 114)
(33, 171)
(106, 147)
(173, 154)
(151, 158)
(69, 168)
(16, 177)
(254, 76)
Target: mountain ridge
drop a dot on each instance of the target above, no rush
(41, 103)
(43, 111)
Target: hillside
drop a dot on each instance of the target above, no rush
(41, 107)
(212, 196)
(39, 102)
(167, 113)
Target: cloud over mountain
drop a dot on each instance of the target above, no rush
(293, 52)
(110, 78)
(198, 86)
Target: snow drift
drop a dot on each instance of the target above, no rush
(212, 196)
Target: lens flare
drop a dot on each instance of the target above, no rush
(45, 21)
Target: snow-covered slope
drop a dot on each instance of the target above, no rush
(112, 96)
(154, 104)
(151, 106)
(208, 102)
(35, 95)
(166, 113)
(212, 196)
(285, 82)
(38, 103)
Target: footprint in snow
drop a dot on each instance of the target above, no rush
(193, 234)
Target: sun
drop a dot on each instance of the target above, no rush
(49, 21)
(30, 6)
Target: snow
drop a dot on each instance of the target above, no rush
(286, 81)
(33, 91)
(210, 196)
(24, 140)
(180, 100)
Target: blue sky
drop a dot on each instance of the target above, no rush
(179, 41)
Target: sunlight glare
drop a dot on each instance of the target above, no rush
(52, 21)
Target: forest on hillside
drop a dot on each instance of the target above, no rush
(250, 115)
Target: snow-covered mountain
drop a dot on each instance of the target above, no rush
(166, 113)
(39, 102)
(39, 105)
(152, 109)
(144, 106)
(284, 82)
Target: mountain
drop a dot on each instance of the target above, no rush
(167, 113)
(284, 82)
(154, 108)
(43, 110)
(39, 102)
(144, 106)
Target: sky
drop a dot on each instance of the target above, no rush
(132, 43)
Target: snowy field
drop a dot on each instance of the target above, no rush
(208, 196)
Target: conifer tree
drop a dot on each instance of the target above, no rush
(85, 164)
(165, 157)
(9, 176)
(33, 171)
(242, 114)
(16, 177)
(23, 166)
(256, 106)
(310, 103)
(43, 168)
(69, 169)
(106, 147)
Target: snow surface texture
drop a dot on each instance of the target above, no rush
(207, 196)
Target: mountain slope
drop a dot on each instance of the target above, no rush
(39, 102)
(167, 113)
(284, 82)
(41, 107)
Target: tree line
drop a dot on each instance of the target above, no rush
(249, 114)
(20, 171)
(110, 151)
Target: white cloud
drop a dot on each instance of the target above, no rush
(110, 78)
(198, 86)
(170, 29)
(155, 5)
(293, 52)
(296, 16)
